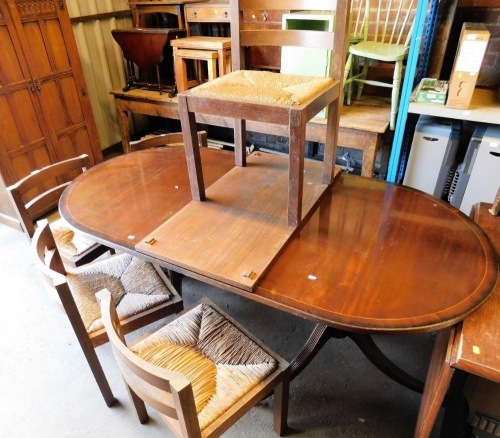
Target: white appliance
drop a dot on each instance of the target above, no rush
(432, 155)
(480, 176)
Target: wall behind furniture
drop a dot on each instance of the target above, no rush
(102, 60)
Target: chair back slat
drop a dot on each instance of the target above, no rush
(293, 5)
(393, 22)
(295, 38)
(46, 202)
(405, 22)
(386, 22)
(245, 34)
(358, 18)
(38, 193)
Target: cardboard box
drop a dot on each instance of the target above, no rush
(432, 91)
(471, 47)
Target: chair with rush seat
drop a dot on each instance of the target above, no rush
(201, 372)
(141, 291)
(37, 195)
(270, 97)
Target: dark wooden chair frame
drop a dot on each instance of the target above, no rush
(294, 118)
(37, 195)
(48, 262)
(171, 393)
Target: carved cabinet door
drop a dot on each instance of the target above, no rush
(45, 112)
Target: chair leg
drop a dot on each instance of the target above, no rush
(240, 141)
(86, 345)
(281, 396)
(347, 80)
(330, 153)
(364, 74)
(97, 371)
(180, 72)
(212, 69)
(139, 405)
(396, 83)
(193, 158)
(297, 136)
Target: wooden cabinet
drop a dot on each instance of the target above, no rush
(45, 113)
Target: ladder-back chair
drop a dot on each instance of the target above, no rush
(387, 40)
(37, 195)
(142, 292)
(275, 98)
(201, 372)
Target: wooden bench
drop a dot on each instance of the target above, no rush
(471, 346)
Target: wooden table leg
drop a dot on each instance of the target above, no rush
(436, 384)
(382, 362)
(369, 156)
(297, 147)
(320, 335)
(192, 148)
(124, 124)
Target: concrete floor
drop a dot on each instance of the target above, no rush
(47, 389)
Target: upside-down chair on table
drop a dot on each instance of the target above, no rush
(275, 98)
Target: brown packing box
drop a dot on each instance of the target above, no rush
(471, 47)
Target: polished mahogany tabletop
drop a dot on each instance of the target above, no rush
(374, 257)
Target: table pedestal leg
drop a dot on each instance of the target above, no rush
(382, 362)
(322, 333)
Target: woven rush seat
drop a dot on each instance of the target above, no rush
(201, 371)
(264, 87)
(71, 242)
(219, 360)
(134, 285)
(142, 293)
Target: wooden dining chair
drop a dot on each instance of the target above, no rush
(202, 371)
(142, 293)
(387, 40)
(275, 98)
(37, 195)
(170, 139)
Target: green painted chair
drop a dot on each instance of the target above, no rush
(386, 39)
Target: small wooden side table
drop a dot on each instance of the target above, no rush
(471, 346)
(215, 50)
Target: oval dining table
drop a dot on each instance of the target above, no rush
(371, 257)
